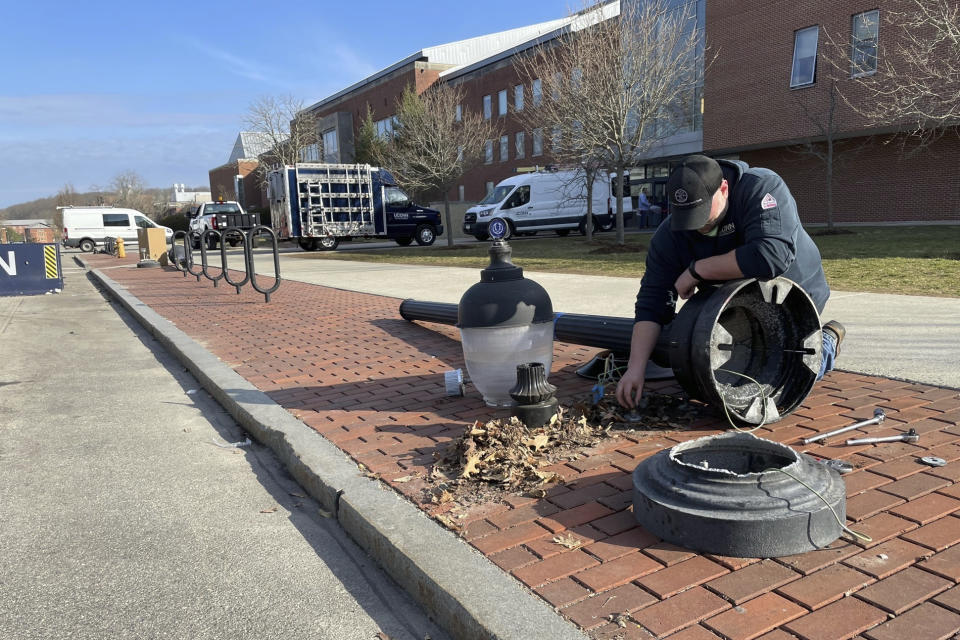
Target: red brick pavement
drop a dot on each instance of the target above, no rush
(348, 366)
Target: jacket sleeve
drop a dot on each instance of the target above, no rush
(657, 299)
(770, 224)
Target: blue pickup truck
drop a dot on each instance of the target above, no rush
(318, 205)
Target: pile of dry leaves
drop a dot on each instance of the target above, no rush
(504, 456)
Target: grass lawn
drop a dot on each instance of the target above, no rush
(911, 260)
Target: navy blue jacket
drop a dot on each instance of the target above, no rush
(761, 223)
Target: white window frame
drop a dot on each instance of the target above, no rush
(502, 103)
(537, 142)
(536, 90)
(504, 148)
(487, 107)
(857, 71)
(518, 98)
(801, 82)
(520, 145)
(488, 152)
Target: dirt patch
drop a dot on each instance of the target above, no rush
(613, 248)
(501, 457)
(833, 232)
(458, 247)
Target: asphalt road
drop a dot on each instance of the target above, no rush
(125, 514)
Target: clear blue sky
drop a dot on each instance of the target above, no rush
(90, 89)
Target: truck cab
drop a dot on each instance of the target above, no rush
(218, 216)
(406, 220)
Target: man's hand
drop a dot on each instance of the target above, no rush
(631, 386)
(686, 285)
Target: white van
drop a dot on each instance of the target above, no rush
(86, 227)
(546, 201)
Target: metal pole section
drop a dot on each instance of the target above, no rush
(605, 332)
(878, 417)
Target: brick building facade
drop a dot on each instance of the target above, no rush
(753, 108)
(759, 108)
(237, 180)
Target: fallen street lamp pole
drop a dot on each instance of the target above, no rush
(750, 346)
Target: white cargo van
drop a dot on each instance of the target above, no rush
(545, 201)
(86, 227)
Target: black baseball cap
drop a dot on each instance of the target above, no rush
(690, 190)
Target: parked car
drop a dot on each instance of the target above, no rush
(87, 227)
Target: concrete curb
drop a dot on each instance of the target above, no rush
(462, 591)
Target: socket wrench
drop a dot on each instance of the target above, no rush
(878, 418)
(910, 436)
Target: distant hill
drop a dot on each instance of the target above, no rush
(46, 207)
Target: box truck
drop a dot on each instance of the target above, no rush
(318, 205)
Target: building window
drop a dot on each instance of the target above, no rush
(486, 108)
(330, 141)
(310, 153)
(537, 142)
(518, 98)
(458, 114)
(460, 192)
(520, 145)
(460, 153)
(385, 127)
(502, 103)
(488, 152)
(537, 91)
(576, 78)
(555, 138)
(489, 188)
(504, 150)
(863, 56)
(804, 57)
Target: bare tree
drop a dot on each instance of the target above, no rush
(917, 82)
(618, 86)
(286, 128)
(129, 191)
(828, 146)
(430, 149)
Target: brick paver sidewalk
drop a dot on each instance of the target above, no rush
(348, 366)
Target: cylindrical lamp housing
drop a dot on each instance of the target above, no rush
(505, 320)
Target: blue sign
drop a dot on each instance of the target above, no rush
(30, 269)
(497, 228)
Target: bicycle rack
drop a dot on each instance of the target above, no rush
(223, 256)
(188, 256)
(203, 256)
(173, 251)
(226, 235)
(251, 273)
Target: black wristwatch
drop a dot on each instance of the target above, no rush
(693, 272)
